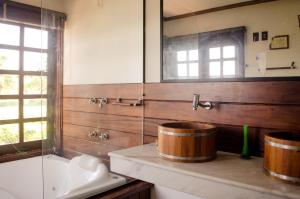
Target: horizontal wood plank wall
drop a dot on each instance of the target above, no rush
(124, 124)
(264, 106)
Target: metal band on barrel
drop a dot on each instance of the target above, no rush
(283, 146)
(186, 134)
(283, 177)
(186, 158)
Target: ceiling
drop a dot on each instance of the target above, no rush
(179, 7)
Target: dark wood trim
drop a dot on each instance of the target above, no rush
(133, 190)
(21, 155)
(217, 9)
(31, 8)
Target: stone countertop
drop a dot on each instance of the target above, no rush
(227, 169)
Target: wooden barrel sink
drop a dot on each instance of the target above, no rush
(282, 156)
(187, 142)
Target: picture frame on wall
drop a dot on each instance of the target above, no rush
(280, 42)
(299, 20)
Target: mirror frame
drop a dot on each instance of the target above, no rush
(249, 79)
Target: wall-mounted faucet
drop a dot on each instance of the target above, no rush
(97, 134)
(101, 101)
(197, 103)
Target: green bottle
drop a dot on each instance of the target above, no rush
(245, 152)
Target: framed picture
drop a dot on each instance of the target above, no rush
(299, 20)
(280, 42)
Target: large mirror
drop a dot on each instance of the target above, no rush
(230, 39)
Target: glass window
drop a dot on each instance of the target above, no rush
(35, 61)
(182, 70)
(34, 108)
(193, 55)
(182, 55)
(194, 70)
(9, 59)
(215, 53)
(228, 51)
(214, 69)
(9, 134)
(35, 85)
(35, 131)
(9, 34)
(9, 109)
(9, 84)
(35, 38)
(229, 68)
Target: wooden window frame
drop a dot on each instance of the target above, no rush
(21, 145)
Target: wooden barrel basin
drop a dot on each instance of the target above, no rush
(282, 156)
(187, 142)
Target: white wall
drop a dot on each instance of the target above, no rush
(278, 17)
(153, 41)
(103, 42)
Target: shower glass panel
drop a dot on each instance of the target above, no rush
(24, 100)
(93, 52)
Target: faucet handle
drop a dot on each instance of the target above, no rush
(196, 101)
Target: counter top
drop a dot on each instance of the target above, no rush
(225, 175)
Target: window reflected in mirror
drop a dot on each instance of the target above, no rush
(235, 39)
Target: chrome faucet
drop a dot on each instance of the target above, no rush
(197, 103)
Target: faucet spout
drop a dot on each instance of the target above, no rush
(197, 103)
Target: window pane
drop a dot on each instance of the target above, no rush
(9, 34)
(193, 55)
(214, 69)
(35, 38)
(182, 70)
(228, 51)
(34, 85)
(35, 108)
(9, 59)
(229, 68)
(215, 53)
(9, 134)
(9, 109)
(9, 84)
(182, 55)
(35, 131)
(34, 61)
(193, 70)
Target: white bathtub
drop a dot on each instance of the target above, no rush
(54, 177)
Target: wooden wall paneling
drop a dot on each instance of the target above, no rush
(111, 122)
(97, 149)
(83, 105)
(125, 91)
(149, 139)
(264, 116)
(116, 138)
(279, 92)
